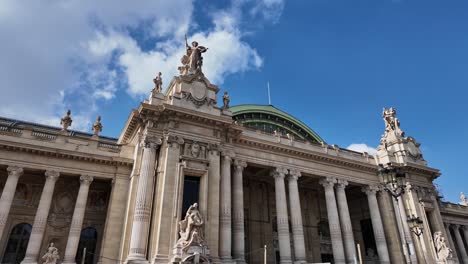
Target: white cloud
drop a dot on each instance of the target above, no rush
(362, 148)
(57, 55)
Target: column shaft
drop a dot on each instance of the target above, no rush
(238, 212)
(390, 224)
(8, 194)
(225, 219)
(77, 220)
(377, 225)
(345, 219)
(461, 246)
(142, 213)
(451, 242)
(465, 233)
(282, 216)
(296, 217)
(406, 230)
(333, 220)
(40, 220)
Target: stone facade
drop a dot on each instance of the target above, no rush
(264, 184)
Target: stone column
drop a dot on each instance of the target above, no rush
(451, 242)
(8, 194)
(77, 220)
(333, 220)
(345, 219)
(225, 219)
(465, 233)
(40, 220)
(296, 217)
(377, 225)
(238, 212)
(461, 246)
(142, 213)
(282, 216)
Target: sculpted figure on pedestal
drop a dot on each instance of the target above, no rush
(158, 83)
(51, 256)
(191, 228)
(97, 127)
(226, 100)
(192, 61)
(463, 200)
(392, 125)
(66, 121)
(443, 252)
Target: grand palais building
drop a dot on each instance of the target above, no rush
(192, 179)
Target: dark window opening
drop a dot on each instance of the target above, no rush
(17, 244)
(191, 193)
(368, 236)
(88, 240)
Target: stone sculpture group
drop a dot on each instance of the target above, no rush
(442, 250)
(51, 256)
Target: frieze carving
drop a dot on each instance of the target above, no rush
(195, 150)
(197, 101)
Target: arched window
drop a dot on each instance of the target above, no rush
(88, 240)
(17, 244)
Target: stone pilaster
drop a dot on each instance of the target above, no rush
(333, 220)
(461, 246)
(143, 202)
(225, 238)
(77, 220)
(238, 212)
(406, 230)
(345, 219)
(282, 215)
(112, 238)
(296, 217)
(377, 224)
(8, 194)
(40, 220)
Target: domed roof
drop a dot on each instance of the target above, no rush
(268, 118)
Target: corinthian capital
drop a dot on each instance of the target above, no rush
(86, 179)
(328, 182)
(371, 189)
(294, 174)
(239, 164)
(15, 171)
(341, 183)
(52, 175)
(279, 172)
(149, 141)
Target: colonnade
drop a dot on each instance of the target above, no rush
(343, 245)
(40, 219)
(458, 242)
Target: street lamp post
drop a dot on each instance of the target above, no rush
(416, 226)
(393, 179)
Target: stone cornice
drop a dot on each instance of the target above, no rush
(309, 155)
(66, 154)
(423, 170)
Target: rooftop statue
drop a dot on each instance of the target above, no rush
(392, 125)
(97, 127)
(192, 61)
(191, 228)
(226, 100)
(463, 200)
(66, 121)
(443, 252)
(157, 83)
(51, 256)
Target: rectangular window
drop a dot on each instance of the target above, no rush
(191, 193)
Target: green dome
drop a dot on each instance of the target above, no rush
(268, 118)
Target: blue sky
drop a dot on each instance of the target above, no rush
(334, 64)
